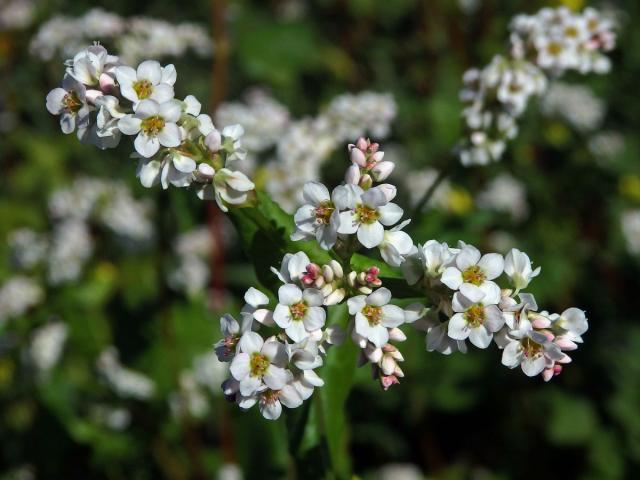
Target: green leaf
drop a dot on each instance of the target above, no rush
(361, 262)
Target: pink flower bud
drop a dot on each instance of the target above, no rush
(547, 374)
(557, 369)
(353, 174)
(388, 380)
(382, 171)
(376, 157)
(541, 322)
(205, 171)
(107, 83)
(362, 144)
(388, 365)
(357, 156)
(397, 335)
(566, 344)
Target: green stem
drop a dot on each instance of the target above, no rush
(417, 210)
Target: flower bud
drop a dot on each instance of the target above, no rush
(362, 144)
(337, 268)
(326, 290)
(382, 171)
(357, 157)
(352, 176)
(388, 365)
(205, 171)
(388, 190)
(387, 381)
(327, 273)
(365, 181)
(365, 290)
(566, 344)
(397, 335)
(335, 297)
(92, 95)
(213, 141)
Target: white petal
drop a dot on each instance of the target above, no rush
(282, 316)
(129, 125)
(169, 136)
(240, 366)
(150, 70)
(467, 257)
(345, 196)
(371, 235)
(379, 298)
(315, 193)
(270, 410)
(512, 355)
(170, 111)
(532, 366)
(169, 74)
(390, 214)
(348, 223)
(314, 318)
(452, 278)
(374, 197)
(493, 318)
(149, 173)
(146, 146)
(297, 331)
(289, 294)
(255, 297)
(492, 265)
(473, 293)
(313, 297)
(378, 335)
(163, 93)
(392, 316)
(249, 385)
(251, 342)
(147, 108)
(356, 304)
(458, 328)
(480, 337)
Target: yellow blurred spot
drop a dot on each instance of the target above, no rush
(570, 4)
(106, 272)
(557, 134)
(629, 187)
(7, 368)
(459, 200)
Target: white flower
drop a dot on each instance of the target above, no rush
(232, 144)
(293, 266)
(226, 347)
(88, 65)
(69, 101)
(533, 353)
(571, 324)
(255, 299)
(476, 320)
(516, 315)
(149, 81)
(228, 187)
(318, 218)
(368, 212)
(430, 259)
(374, 315)
(259, 365)
(107, 133)
(396, 245)
(299, 312)
(471, 272)
(155, 125)
(517, 267)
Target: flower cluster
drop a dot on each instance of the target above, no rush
(136, 37)
(469, 304)
(103, 99)
(543, 45)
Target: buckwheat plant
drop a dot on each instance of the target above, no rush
(330, 250)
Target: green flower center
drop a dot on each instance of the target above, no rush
(373, 314)
(474, 315)
(324, 211)
(258, 365)
(367, 214)
(298, 310)
(152, 126)
(474, 275)
(143, 89)
(71, 102)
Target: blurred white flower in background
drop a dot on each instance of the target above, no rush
(135, 38)
(575, 104)
(17, 295)
(47, 343)
(630, 222)
(16, 14)
(123, 381)
(505, 193)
